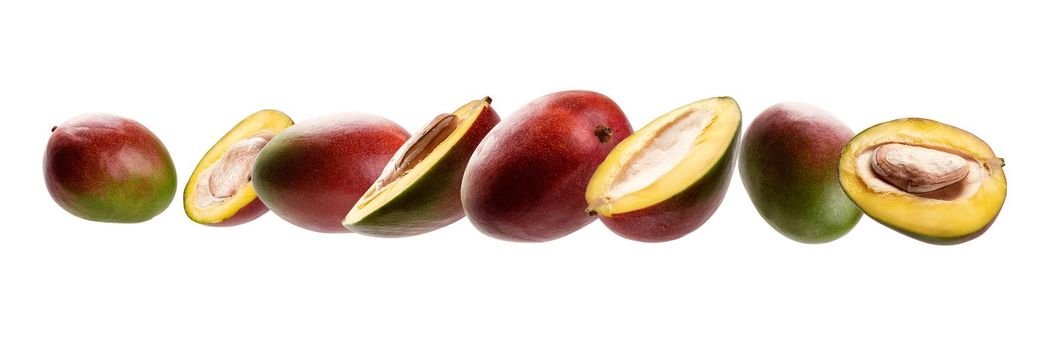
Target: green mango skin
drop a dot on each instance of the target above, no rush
(434, 200)
(313, 172)
(106, 168)
(789, 166)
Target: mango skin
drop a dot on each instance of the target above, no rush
(789, 166)
(527, 178)
(939, 240)
(246, 214)
(434, 200)
(106, 168)
(930, 131)
(256, 208)
(682, 213)
(313, 172)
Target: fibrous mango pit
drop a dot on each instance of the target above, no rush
(920, 171)
(416, 149)
(221, 181)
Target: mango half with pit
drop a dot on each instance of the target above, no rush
(220, 191)
(926, 179)
(666, 179)
(420, 188)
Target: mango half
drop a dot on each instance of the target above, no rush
(926, 179)
(220, 191)
(420, 188)
(666, 179)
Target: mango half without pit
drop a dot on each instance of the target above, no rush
(106, 168)
(789, 165)
(665, 180)
(420, 188)
(526, 180)
(220, 190)
(312, 172)
(926, 179)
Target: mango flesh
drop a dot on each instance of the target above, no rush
(428, 196)
(311, 173)
(668, 178)
(788, 164)
(242, 205)
(953, 214)
(106, 168)
(527, 178)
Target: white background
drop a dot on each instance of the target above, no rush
(190, 70)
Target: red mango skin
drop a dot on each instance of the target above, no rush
(313, 172)
(526, 180)
(789, 166)
(106, 168)
(682, 213)
(248, 213)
